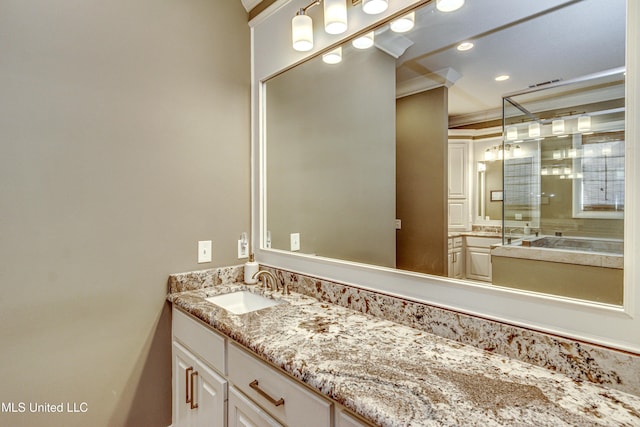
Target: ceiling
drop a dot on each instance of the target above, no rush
(531, 41)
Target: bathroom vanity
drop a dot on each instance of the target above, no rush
(310, 362)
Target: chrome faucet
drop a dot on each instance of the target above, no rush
(269, 277)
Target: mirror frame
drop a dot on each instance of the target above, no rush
(611, 326)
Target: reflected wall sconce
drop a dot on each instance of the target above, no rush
(333, 56)
(584, 123)
(374, 7)
(404, 23)
(449, 5)
(557, 126)
(534, 130)
(364, 42)
(512, 133)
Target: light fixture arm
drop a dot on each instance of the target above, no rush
(303, 10)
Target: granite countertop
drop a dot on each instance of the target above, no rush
(475, 233)
(394, 375)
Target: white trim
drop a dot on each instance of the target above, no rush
(615, 327)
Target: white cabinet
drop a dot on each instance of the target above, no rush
(458, 180)
(199, 393)
(244, 413)
(478, 262)
(345, 419)
(206, 365)
(455, 258)
(283, 398)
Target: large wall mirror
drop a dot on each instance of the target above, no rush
(359, 158)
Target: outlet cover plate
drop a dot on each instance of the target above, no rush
(295, 241)
(204, 251)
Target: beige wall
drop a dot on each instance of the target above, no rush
(124, 139)
(421, 163)
(331, 167)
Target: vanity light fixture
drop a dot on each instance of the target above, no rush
(557, 126)
(335, 22)
(335, 16)
(302, 30)
(374, 7)
(512, 133)
(449, 5)
(488, 154)
(517, 151)
(534, 130)
(464, 46)
(333, 56)
(404, 23)
(364, 42)
(584, 123)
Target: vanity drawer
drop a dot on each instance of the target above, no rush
(482, 242)
(266, 386)
(207, 344)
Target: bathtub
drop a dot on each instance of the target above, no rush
(581, 244)
(575, 267)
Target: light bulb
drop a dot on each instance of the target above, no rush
(404, 23)
(302, 33)
(363, 42)
(373, 7)
(335, 16)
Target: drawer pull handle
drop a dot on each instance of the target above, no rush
(254, 385)
(193, 404)
(186, 385)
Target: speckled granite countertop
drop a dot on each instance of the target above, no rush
(394, 375)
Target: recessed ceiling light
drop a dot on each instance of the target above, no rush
(502, 78)
(465, 46)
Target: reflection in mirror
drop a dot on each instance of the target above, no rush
(572, 201)
(395, 156)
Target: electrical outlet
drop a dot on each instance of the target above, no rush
(243, 249)
(204, 251)
(295, 241)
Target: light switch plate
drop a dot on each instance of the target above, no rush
(204, 251)
(295, 241)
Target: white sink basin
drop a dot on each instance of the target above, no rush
(242, 302)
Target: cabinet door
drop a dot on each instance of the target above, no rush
(199, 394)
(457, 170)
(479, 264)
(244, 413)
(344, 419)
(184, 364)
(210, 396)
(456, 256)
(458, 214)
